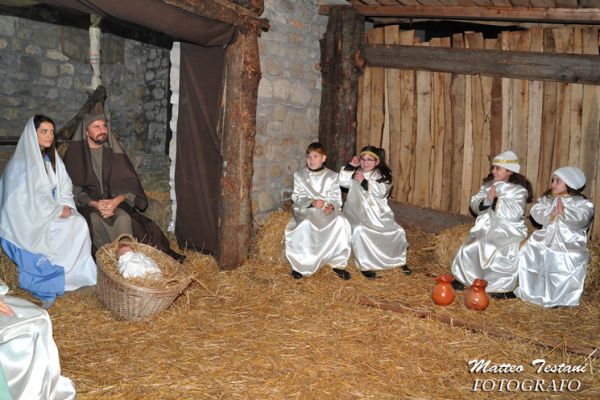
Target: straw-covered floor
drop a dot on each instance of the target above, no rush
(256, 333)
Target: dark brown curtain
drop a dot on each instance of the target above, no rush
(198, 166)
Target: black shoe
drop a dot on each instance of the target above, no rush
(407, 271)
(297, 275)
(369, 274)
(342, 273)
(456, 285)
(503, 296)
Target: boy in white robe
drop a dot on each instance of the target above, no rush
(553, 263)
(317, 234)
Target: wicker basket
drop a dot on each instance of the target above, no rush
(128, 300)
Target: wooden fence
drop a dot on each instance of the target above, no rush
(440, 130)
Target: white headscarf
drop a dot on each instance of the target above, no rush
(508, 160)
(27, 206)
(572, 176)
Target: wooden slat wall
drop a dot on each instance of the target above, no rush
(440, 130)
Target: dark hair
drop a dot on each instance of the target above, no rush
(50, 151)
(384, 170)
(517, 179)
(570, 190)
(317, 147)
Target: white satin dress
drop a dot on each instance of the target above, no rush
(28, 354)
(313, 239)
(553, 263)
(491, 249)
(378, 242)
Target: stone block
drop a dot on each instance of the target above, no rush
(7, 26)
(33, 49)
(265, 88)
(281, 89)
(3, 43)
(67, 69)
(300, 94)
(65, 82)
(49, 70)
(266, 202)
(56, 55)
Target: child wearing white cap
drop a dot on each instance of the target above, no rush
(553, 263)
(490, 250)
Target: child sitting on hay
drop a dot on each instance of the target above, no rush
(318, 234)
(490, 250)
(553, 263)
(378, 242)
(29, 362)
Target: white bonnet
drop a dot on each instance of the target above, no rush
(508, 160)
(573, 177)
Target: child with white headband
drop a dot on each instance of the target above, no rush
(490, 250)
(553, 263)
(378, 242)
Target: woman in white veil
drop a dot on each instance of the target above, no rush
(40, 229)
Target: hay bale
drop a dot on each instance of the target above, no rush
(269, 246)
(448, 241)
(8, 271)
(159, 208)
(591, 291)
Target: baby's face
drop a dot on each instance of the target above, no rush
(123, 250)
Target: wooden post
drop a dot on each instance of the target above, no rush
(239, 131)
(337, 124)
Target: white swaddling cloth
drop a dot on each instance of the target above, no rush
(138, 265)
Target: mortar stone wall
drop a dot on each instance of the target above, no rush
(289, 98)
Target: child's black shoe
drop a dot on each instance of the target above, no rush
(369, 274)
(503, 296)
(407, 271)
(342, 273)
(296, 274)
(456, 285)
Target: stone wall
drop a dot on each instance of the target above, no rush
(288, 100)
(44, 69)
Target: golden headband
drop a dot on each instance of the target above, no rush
(370, 153)
(500, 161)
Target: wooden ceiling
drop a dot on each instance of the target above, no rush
(539, 11)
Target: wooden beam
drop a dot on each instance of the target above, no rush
(338, 114)
(218, 10)
(532, 14)
(239, 132)
(555, 67)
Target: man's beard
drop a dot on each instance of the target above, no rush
(100, 139)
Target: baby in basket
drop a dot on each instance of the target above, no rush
(133, 264)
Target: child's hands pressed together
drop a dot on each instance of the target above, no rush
(328, 209)
(492, 194)
(559, 209)
(318, 203)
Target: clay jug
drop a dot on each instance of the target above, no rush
(443, 294)
(475, 297)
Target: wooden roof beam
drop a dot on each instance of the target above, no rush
(482, 13)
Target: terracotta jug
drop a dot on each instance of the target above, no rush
(443, 294)
(475, 297)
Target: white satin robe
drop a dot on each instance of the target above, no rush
(553, 263)
(313, 239)
(491, 249)
(28, 354)
(378, 242)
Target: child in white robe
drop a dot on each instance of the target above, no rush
(490, 250)
(553, 263)
(28, 355)
(317, 234)
(378, 242)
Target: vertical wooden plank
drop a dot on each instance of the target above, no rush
(448, 136)
(457, 95)
(363, 137)
(495, 119)
(424, 141)
(475, 41)
(360, 108)
(377, 94)
(519, 41)
(394, 110)
(549, 108)
(407, 125)
(506, 99)
(576, 105)
(563, 39)
(590, 129)
(439, 131)
(534, 124)
(467, 172)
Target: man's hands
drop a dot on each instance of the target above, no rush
(66, 212)
(107, 207)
